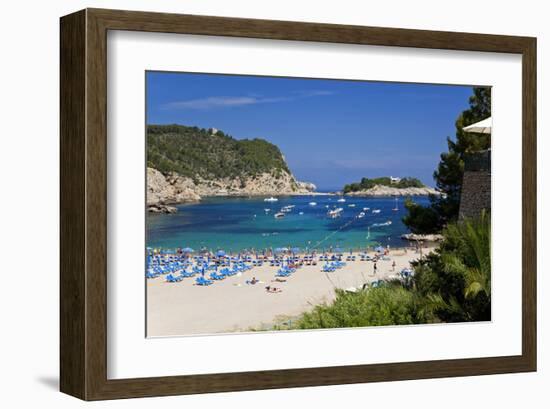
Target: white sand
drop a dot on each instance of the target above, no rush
(232, 305)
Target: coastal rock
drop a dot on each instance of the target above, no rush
(307, 186)
(263, 184)
(379, 190)
(422, 237)
(173, 188)
(160, 208)
(169, 189)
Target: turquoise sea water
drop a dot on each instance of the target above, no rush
(235, 224)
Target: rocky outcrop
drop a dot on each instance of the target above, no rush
(160, 208)
(307, 187)
(170, 189)
(380, 190)
(264, 184)
(173, 188)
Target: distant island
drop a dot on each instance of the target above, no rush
(389, 186)
(186, 163)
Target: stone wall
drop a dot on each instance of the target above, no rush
(476, 184)
(476, 193)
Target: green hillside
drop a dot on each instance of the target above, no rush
(193, 151)
(367, 183)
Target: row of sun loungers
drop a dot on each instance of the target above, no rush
(331, 267)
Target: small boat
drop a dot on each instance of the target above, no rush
(286, 209)
(366, 209)
(267, 210)
(382, 224)
(313, 203)
(361, 215)
(279, 215)
(341, 200)
(271, 199)
(376, 211)
(351, 205)
(335, 213)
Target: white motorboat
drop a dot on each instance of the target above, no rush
(335, 213)
(376, 211)
(341, 200)
(351, 205)
(279, 215)
(271, 199)
(313, 203)
(382, 224)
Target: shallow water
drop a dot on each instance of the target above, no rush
(235, 224)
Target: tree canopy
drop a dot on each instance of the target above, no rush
(367, 183)
(196, 152)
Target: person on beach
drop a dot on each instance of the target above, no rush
(375, 268)
(393, 265)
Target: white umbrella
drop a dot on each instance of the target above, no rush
(480, 127)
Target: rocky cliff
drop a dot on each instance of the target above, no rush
(379, 190)
(164, 190)
(187, 163)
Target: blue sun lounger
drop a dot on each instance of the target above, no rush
(282, 273)
(328, 268)
(173, 279)
(186, 274)
(216, 276)
(203, 281)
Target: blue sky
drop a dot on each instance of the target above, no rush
(331, 132)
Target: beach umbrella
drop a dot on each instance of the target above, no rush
(220, 253)
(280, 249)
(484, 126)
(379, 249)
(188, 250)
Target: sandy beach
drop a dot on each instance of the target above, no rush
(232, 305)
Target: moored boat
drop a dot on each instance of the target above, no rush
(335, 213)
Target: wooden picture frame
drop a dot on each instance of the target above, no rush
(83, 156)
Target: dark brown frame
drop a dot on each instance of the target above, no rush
(83, 366)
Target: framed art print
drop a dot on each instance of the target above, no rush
(252, 204)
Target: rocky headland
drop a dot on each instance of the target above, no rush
(379, 191)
